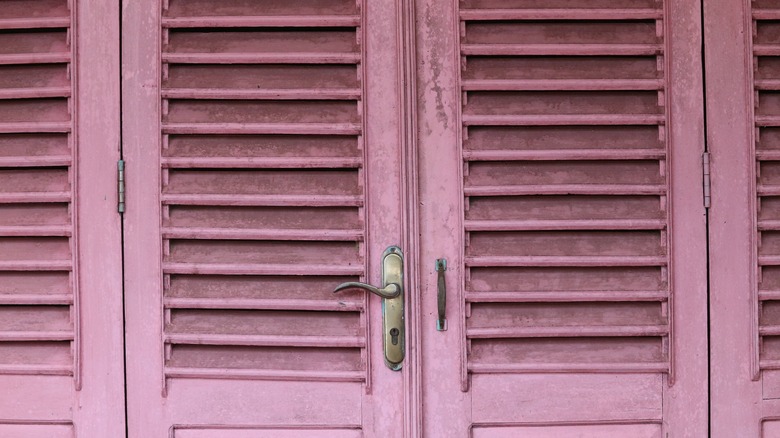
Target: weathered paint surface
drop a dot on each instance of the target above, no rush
(61, 346)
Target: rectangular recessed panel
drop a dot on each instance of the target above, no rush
(37, 430)
(566, 397)
(578, 431)
(269, 432)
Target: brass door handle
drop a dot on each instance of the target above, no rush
(392, 290)
(392, 293)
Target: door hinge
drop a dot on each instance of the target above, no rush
(120, 165)
(706, 181)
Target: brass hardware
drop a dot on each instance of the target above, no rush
(392, 293)
(441, 268)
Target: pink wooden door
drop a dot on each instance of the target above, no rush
(264, 146)
(742, 44)
(560, 172)
(61, 346)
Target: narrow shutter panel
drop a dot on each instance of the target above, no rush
(767, 144)
(37, 243)
(566, 211)
(262, 194)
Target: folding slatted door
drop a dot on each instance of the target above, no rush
(742, 43)
(262, 143)
(61, 346)
(561, 154)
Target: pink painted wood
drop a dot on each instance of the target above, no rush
(564, 192)
(264, 168)
(741, 54)
(61, 340)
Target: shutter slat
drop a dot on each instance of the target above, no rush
(262, 200)
(36, 265)
(33, 299)
(561, 49)
(34, 23)
(34, 58)
(261, 93)
(529, 225)
(563, 154)
(566, 332)
(39, 161)
(566, 189)
(561, 84)
(262, 21)
(36, 370)
(233, 373)
(33, 127)
(564, 296)
(564, 119)
(26, 336)
(263, 304)
(35, 230)
(259, 269)
(36, 92)
(482, 368)
(577, 261)
(257, 234)
(561, 14)
(257, 58)
(265, 340)
(260, 162)
(261, 128)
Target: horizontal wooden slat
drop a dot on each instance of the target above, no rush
(561, 84)
(37, 265)
(263, 200)
(767, 120)
(260, 374)
(266, 340)
(769, 330)
(768, 155)
(35, 92)
(259, 234)
(766, 14)
(510, 261)
(36, 230)
(566, 189)
(561, 49)
(769, 260)
(262, 304)
(585, 224)
(770, 364)
(259, 269)
(563, 154)
(565, 296)
(34, 23)
(260, 162)
(35, 299)
(261, 128)
(35, 336)
(261, 93)
(37, 161)
(260, 58)
(561, 14)
(658, 367)
(33, 127)
(769, 295)
(566, 332)
(36, 370)
(34, 197)
(562, 119)
(262, 21)
(34, 58)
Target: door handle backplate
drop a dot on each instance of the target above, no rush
(392, 293)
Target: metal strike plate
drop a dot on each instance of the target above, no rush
(393, 327)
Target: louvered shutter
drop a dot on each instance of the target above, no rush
(571, 264)
(743, 126)
(247, 169)
(49, 375)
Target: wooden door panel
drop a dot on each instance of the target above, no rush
(61, 350)
(259, 185)
(573, 135)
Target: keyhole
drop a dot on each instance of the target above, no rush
(394, 332)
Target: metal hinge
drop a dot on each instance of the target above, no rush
(120, 165)
(706, 181)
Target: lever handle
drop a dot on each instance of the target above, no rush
(392, 290)
(441, 322)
